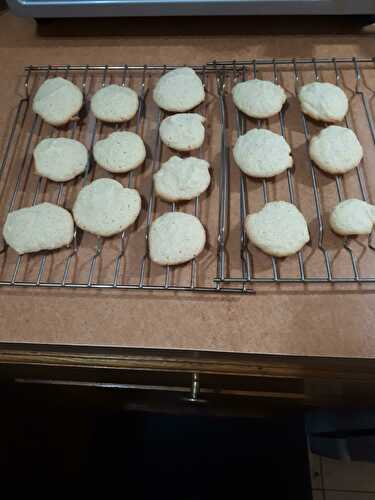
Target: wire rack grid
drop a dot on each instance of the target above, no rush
(121, 262)
(229, 262)
(327, 258)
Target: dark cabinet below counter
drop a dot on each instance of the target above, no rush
(186, 382)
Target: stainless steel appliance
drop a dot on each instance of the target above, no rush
(111, 8)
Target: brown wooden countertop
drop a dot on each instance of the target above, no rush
(326, 323)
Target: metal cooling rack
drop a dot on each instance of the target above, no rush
(327, 258)
(121, 262)
(229, 263)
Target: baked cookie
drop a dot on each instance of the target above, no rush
(183, 132)
(262, 153)
(120, 152)
(336, 150)
(258, 98)
(57, 101)
(352, 217)
(114, 104)
(42, 227)
(278, 229)
(182, 178)
(60, 159)
(323, 101)
(106, 208)
(175, 238)
(179, 90)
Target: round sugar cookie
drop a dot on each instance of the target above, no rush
(120, 152)
(106, 208)
(183, 131)
(179, 90)
(278, 229)
(262, 153)
(175, 238)
(57, 101)
(323, 101)
(182, 178)
(352, 217)
(42, 227)
(336, 150)
(114, 104)
(60, 159)
(258, 98)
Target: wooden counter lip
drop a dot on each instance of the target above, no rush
(204, 362)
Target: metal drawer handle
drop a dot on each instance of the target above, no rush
(195, 390)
